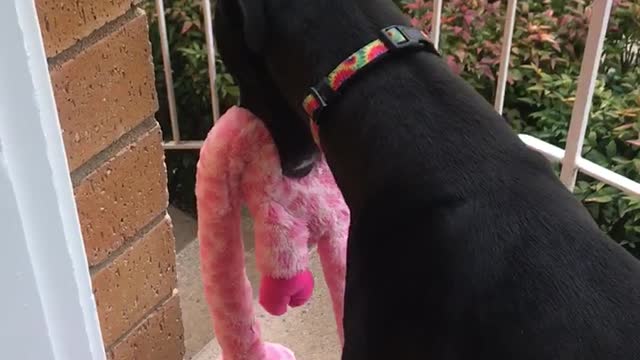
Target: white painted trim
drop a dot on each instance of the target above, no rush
(584, 96)
(55, 317)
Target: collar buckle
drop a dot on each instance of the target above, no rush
(322, 102)
(390, 40)
(398, 37)
(323, 94)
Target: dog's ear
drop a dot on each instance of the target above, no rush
(253, 23)
(240, 51)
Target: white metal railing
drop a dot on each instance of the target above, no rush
(586, 86)
(168, 70)
(436, 23)
(176, 142)
(570, 158)
(505, 57)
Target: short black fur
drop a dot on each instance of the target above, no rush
(463, 242)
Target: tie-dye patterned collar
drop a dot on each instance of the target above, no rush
(391, 40)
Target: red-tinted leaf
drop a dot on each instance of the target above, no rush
(623, 127)
(587, 12)
(634, 142)
(468, 18)
(453, 64)
(461, 53)
(416, 5)
(487, 60)
(548, 38)
(186, 27)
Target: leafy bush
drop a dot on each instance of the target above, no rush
(548, 45)
(549, 40)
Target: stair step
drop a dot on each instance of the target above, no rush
(310, 331)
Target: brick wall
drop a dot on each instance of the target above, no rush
(101, 69)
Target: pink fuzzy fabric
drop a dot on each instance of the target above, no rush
(239, 164)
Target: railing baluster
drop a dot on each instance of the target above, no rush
(505, 58)
(436, 23)
(556, 154)
(211, 57)
(168, 71)
(584, 96)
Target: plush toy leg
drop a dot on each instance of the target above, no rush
(227, 288)
(333, 257)
(278, 352)
(272, 352)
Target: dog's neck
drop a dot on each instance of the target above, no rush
(376, 136)
(353, 144)
(299, 60)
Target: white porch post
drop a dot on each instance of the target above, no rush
(47, 308)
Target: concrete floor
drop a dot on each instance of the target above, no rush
(309, 331)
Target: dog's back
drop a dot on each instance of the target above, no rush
(467, 245)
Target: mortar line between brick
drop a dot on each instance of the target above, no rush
(145, 316)
(91, 39)
(138, 236)
(110, 151)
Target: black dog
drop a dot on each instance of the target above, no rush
(463, 244)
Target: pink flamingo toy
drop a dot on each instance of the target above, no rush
(239, 164)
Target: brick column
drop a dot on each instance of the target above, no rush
(102, 73)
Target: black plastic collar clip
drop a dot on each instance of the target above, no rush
(399, 37)
(323, 94)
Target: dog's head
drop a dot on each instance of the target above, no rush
(239, 28)
(277, 49)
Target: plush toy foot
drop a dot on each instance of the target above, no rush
(278, 352)
(275, 352)
(276, 294)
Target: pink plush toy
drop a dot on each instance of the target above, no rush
(239, 164)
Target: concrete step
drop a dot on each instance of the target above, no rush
(309, 331)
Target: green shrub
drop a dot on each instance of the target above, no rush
(546, 57)
(548, 43)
